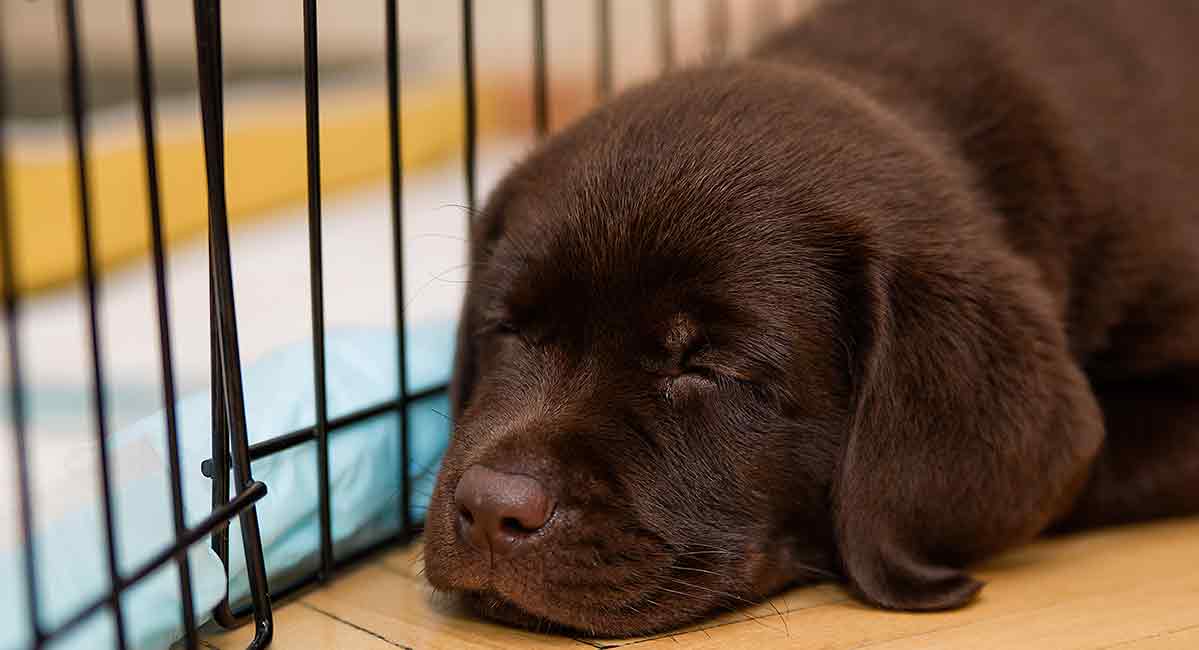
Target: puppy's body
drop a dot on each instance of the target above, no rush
(1077, 123)
(1079, 126)
(913, 283)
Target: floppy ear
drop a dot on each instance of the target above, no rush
(973, 427)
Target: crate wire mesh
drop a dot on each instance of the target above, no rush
(230, 447)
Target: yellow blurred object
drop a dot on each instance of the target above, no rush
(265, 169)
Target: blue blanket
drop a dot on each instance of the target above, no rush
(364, 472)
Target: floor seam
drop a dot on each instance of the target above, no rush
(1155, 635)
(354, 625)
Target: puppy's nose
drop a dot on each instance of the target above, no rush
(498, 511)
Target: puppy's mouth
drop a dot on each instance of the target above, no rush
(616, 597)
(657, 592)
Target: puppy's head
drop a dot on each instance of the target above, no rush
(678, 346)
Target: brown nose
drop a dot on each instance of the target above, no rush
(498, 511)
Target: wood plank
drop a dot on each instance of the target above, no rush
(396, 606)
(297, 626)
(407, 560)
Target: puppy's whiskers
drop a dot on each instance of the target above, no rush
(473, 213)
(718, 604)
(699, 570)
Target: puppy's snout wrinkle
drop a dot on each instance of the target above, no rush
(499, 512)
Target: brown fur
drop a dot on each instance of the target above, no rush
(911, 284)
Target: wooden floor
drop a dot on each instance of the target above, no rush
(1131, 588)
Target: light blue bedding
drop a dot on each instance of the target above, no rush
(365, 486)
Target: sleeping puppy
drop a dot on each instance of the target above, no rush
(913, 283)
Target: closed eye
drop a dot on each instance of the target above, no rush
(713, 371)
(682, 386)
(689, 364)
(690, 375)
(697, 361)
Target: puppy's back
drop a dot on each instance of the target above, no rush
(1080, 122)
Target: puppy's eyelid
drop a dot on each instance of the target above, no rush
(718, 372)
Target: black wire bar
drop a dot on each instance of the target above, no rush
(16, 380)
(76, 95)
(603, 23)
(229, 409)
(396, 178)
(541, 113)
(317, 284)
(664, 16)
(154, 200)
(470, 105)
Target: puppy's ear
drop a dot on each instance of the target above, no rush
(972, 428)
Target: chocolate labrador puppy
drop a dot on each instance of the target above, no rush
(914, 282)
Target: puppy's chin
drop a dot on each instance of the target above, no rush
(645, 616)
(493, 606)
(497, 608)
